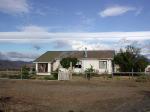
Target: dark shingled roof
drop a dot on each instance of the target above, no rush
(97, 54)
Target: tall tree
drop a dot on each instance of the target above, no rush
(131, 59)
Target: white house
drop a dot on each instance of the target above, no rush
(101, 60)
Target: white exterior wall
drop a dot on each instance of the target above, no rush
(56, 64)
(95, 63)
(86, 63)
(78, 70)
(109, 66)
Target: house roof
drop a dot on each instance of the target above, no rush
(97, 54)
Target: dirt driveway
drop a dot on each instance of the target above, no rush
(74, 96)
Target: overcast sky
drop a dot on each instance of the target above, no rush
(29, 28)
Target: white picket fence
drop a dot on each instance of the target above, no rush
(64, 74)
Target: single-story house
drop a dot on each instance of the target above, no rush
(101, 60)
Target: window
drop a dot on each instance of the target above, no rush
(103, 64)
(42, 67)
(78, 65)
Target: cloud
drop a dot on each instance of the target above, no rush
(46, 10)
(96, 44)
(79, 13)
(36, 47)
(3, 56)
(14, 56)
(34, 36)
(78, 41)
(33, 28)
(139, 10)
(81, 45)
(14, 6)
(61, 44)
(85, 22)
(116, 10)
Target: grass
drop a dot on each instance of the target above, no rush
(77, 95)
(143, 78)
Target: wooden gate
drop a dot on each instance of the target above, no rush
(64, 74)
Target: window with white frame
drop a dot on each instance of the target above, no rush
(103, 64)
(42, 67)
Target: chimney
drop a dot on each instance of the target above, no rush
(85, 53)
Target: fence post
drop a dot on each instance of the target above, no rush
(7, 72)
(132, 73)
(70, 70)
(21, 73)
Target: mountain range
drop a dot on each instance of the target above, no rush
(13, 65)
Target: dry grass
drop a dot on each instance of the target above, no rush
(78, 95)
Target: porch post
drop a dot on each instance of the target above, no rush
(36, 67)
(49, 68)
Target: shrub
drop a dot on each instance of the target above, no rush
(4, 75)
(49, 78)
(117, 78)
(89, 72)
(14, 76)
(109, 76)
(78, 74)
(55, 74)
(25, 72)
(33, 76)
(33, 72)
(143, 78)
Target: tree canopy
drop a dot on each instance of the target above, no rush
(65, 62)
(131, 58)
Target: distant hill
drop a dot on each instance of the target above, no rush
(7, 64)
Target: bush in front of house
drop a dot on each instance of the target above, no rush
(50, 77)
(78, 74)
(55, 74)
(89, 72)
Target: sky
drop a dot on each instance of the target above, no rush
(29, 28)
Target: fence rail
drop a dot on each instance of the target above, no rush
(13, 74)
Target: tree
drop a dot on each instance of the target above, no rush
(25, 72)
(65, 62)
(89, 72)
(131, 59)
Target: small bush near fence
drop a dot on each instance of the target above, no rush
(55, 74)
(49, 78)
(25, 72)
(143, 78)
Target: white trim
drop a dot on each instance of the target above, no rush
(95, 58)
(82, 59)
(41, 62)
